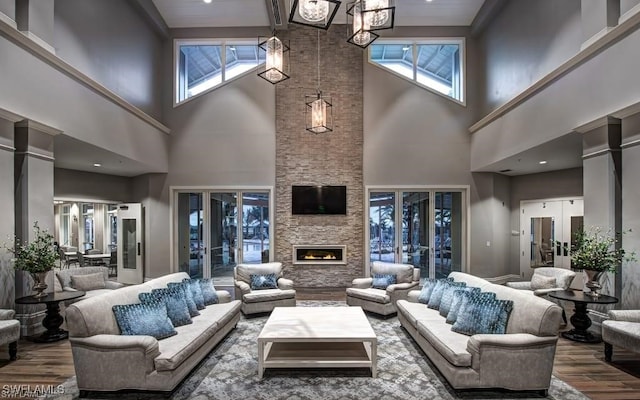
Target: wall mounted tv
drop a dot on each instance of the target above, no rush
(326, 200)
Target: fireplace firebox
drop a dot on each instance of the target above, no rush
(319, 254)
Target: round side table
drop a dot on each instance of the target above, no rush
(53, 319)
(580, 319)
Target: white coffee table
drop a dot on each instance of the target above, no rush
(317, 337)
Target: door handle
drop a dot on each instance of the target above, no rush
(566, 249)
(138, 248)
(558, 249)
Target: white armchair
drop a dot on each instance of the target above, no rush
(259, 298)
(9, 332)
(383, 301)
(622, 329)
(546, 280)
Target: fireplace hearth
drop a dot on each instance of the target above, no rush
(319, 254)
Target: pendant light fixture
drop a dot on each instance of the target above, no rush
(358, 26)
(318, 108)
(316, 13)
(276, 59)
(379, 13)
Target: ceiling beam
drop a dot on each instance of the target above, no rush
(487, 12)
(148, 10)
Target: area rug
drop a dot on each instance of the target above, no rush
(230, 372)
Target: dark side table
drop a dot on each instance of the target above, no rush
(53, 319)
(580, 319)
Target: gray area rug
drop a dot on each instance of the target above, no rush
(230, 372)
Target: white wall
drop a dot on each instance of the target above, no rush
(80, 185)
(525, 41)
(113, 44)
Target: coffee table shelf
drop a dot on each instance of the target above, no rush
(317, 337)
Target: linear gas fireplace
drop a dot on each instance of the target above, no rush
(319, 254)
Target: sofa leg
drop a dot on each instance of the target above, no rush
(13, 351)
(608, 351)
(544, 392)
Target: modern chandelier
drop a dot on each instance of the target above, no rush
(276, 59)
(316, 13)
(318, 111)
(364, 17)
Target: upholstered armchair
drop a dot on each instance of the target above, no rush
(377, 293)
(546, 280)
(261, 287)
(622, 329)
(9, 332)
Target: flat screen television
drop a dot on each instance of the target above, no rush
(327, 200)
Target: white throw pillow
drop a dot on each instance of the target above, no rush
(543, 282)
(88, 281)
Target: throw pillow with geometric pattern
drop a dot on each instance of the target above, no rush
(196, 292)
(427, 289)
(193, 309)
(470, 315)
(494, 316)
(144, 319)
(436, 294)
(456, 302)
(266, 281)
(381, 281)
(447, 296)
(208, 291)
(174, 299)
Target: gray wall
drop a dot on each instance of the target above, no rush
(7, 276)
(631, 210)
(626, 5)
(110, 42)
(525, 41)
(8, 8)
(547, 185)
(80, 185)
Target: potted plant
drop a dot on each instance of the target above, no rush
(37, 257)
(595, 253)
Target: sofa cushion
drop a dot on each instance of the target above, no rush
(375, 295)
(447, 296)
(65, 275)
(451, 345)
(174, 299)
(144, 319)
(263, 281)
(196, 292)
(175, 350)
(543, 282)
(188, 296)
(458, 296)
(483, 315)
(415, 312)
(88, 282)
(268, 295)
(382, 281)
(208, 291)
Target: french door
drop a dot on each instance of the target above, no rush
(130, 244)
(548, 230)
(216, 229)
(425, 228)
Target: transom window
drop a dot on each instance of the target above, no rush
(202, 65)
(437, 65)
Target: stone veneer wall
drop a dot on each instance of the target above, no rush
(334, 158)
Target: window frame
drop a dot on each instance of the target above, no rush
(223, 42)
(415, 42)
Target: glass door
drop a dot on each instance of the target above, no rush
(189, 229)
(130, 234)
(223, 236)
(431, 233)
(255, 228)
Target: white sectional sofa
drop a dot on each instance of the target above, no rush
(521, 359)
(105, 360)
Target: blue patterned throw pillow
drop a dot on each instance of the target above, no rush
(436, 294)
(208, 291)
(148, 318)
(483, 313)
(259, 282)
(193, 309)
(196, 292)
(381, 281)
(427, 289)
(447, 296)
(457, 299)
(174, 299)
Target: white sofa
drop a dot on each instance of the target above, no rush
(622, 329)
(104, 360)
(63, 282)
(9, 332)
(521, 359)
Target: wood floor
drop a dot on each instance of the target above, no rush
(580, 365)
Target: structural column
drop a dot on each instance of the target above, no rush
(630, 274)
(33, 174)
(602, 179)
(35, 19)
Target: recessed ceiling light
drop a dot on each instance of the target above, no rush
(97, 164)
(543, 162)
(207, 1)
